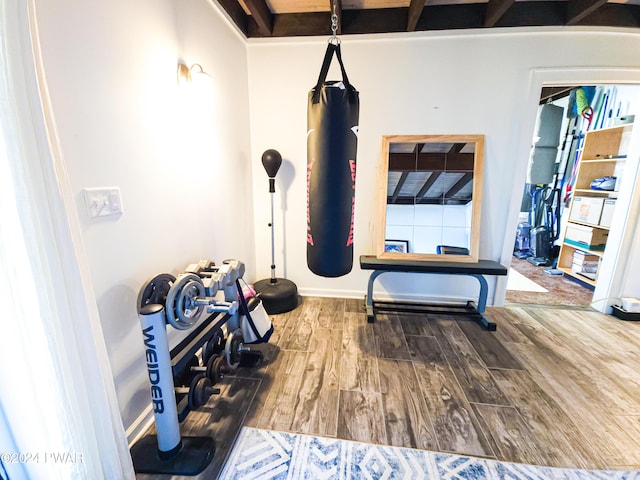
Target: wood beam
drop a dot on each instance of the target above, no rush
(428, 184)
(237, 15)
(496, 10)
(614, 15)
(550, 94)
(578, 10)
(415, 11)
(262, 15)
(456, 148)
(430, 162)
(442, 17)
(459, 185)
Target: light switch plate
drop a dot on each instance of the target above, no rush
(102, 202)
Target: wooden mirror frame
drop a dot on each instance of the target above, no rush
(476, 201)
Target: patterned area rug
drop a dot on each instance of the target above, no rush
(266, 454)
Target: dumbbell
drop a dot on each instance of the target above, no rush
(214, 370)
(199, 391)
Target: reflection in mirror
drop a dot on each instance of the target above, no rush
(432, 196)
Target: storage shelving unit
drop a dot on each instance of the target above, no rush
(603, 153)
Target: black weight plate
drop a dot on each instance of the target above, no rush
(199, 391)
(183, 378)
(214, 346)
(155, 290)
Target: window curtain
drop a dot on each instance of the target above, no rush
(59, 415)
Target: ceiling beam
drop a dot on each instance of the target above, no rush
(415, 11)
(459, 185)
(430, 162)
(551, 94)
(400, 184)
(262, 15)
(578, 10)
(237, 15)
(438, 17)
(456, 148)
(614, 15)
(428, 184)
(496, 10)
(534, 14)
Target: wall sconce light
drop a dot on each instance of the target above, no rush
(190, 74)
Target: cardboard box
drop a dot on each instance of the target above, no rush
(582, 236)
(608, 207)
(586, 209)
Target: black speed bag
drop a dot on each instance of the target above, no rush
(332, 141)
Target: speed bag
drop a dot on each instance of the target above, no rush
(332, 141)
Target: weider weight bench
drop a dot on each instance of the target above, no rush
(476, 270)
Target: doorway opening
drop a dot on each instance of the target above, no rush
(578, 150)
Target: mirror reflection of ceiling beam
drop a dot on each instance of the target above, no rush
(456, 162)
(578, 10)
(456, 148)
(427, 185)
(496, 10)
(459, 185)
(396, 192)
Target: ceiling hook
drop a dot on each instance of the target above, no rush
(334, 26)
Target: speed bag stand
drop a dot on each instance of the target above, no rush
(332, 140)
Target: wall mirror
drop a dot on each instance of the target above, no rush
(430, 194)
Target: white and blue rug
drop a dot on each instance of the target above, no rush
(266, 454)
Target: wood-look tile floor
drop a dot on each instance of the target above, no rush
(556, 387)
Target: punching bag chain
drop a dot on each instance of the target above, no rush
(334, 26)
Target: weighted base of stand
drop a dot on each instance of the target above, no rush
(277, 297)
(194, 456)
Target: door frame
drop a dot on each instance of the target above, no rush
(613, 271)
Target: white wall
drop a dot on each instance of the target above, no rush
(111, 69)
(423, 226)
(463, 82)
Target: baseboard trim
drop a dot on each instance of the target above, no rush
(139, 426)
(382, 296)
(315, 292)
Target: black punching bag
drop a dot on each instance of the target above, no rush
(332, 140)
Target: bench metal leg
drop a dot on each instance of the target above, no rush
(484, 290)
(368, 301)
(482, 302)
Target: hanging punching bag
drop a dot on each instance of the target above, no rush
(332, 140)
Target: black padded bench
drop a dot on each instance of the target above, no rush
(476, 270)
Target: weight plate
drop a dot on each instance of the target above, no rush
(213, 369)
(214, 345)
(232, 348)
(155, 290)
(199, 391)
(180, 309)
(187, 309)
